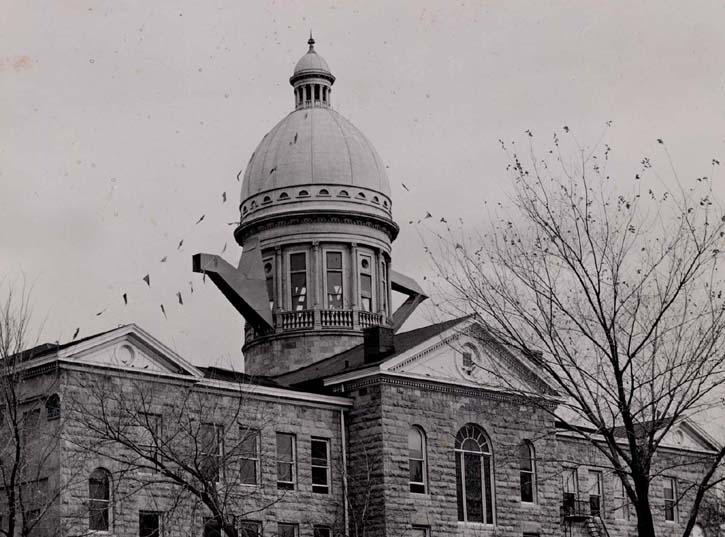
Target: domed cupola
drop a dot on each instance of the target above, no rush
(316, 229)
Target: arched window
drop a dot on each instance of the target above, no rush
(474, 477)
(416, 458)
(527, 471)
(52, 407)
(99, 500)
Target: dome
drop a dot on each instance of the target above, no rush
(314, 146)
(312, 64)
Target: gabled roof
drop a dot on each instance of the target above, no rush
(354, 358)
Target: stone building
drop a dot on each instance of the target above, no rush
(341, 424)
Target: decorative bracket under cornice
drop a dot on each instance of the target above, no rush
(243, 286)
(408, 286)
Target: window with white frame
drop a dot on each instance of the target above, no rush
(420, 531)
(99, 500)
(286, 461)
(149, 524)
(527, 472)
(333, 280)
(670, 495)
(250, 528)
(570, 489)
(287, 530)
(211, 450)
(595, 492)
(150, 437)
(366, 282)
(620, 506)
(249, 456)
(416, 460)
(298, 280)
(474, 475)
(320, 451)
(269, 279)
(321, 531)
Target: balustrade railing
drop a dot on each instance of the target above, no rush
(294, 320)
(336, 318)
(307, 319)
(367, 319)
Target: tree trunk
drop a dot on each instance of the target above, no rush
(645, 523)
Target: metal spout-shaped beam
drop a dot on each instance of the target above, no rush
(244, 286)
(408, 286)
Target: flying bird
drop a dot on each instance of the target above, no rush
(716, 161)
(163, 259)
(224, 197)
(527, 131)
(225, 248)
(163, 310)
(659, 141)
(181, 243)
(240, 173)
(75, 334)
(181, 300)
(191, 287)
(428, 215)
(566, 128)
(405, 187)
(101, 312)
(125, 299)
(147, 279)
(200, 219)
(444, 220)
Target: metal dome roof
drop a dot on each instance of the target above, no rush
(314, 146)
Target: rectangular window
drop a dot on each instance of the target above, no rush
(670, 494)
(269, 280)
(384, 285)
(249, 456)
(321, 531)
(333, 281)
(570, 489)
(620, 508)
(421, 531)
(366, 283)
(286, 461)
(212, 450)
(250, 528)
(149, 524)
(150, 436)
(31, 418)
(298, 280)
(320, 465)
(287, 530)
(595, 493)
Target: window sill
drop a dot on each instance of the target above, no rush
(476, 525)
(529, 505)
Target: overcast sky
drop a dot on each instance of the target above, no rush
(122, 123)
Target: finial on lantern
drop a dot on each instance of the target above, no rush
(311, 43)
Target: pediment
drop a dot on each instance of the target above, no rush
(129, 348)
(686, 435)
(466, 356)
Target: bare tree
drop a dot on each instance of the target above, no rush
(187, 439)
(29, 427)
(615, 295)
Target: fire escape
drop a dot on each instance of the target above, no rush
(576, 511)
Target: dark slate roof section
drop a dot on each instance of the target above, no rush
(311, 376)
(47, 349)
(229, 375)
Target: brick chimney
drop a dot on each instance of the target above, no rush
(378, 343)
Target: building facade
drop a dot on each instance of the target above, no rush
(341, 424)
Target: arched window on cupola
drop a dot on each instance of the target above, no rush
(474, 475)
(52, 407)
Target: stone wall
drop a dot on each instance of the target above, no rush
(135, 489)
(440, 412)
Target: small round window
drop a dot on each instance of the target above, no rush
(365, 263)
(268, 268)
